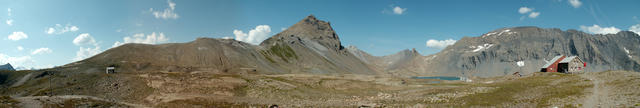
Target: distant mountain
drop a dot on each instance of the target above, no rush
(496, 53)
(309, 46)
(312, 46)
(7, 67)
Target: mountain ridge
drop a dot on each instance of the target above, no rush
(312, 46)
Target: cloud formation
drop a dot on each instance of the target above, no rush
(525, 10)
(86, 41)
(41, 51)
(20, 61)
(9, 22)
(86, 53)
(575, 3)
(255, 36)
(440, 44)
(398, 10)
(596, 29)
(59, 29)
(18, 35)
(20, 48)
(152, 38)
(534, 14)
(168, 13)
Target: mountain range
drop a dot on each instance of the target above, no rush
(312, 46)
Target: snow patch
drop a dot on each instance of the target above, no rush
(627, 51)
(430, 58)
(481, 47)
(520, 63)
(506, 31)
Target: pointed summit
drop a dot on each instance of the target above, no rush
(7, 67)
(308, 29)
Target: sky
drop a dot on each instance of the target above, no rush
(46, 33)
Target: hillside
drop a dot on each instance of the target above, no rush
(307, 66)
(309, 46)
(496, 53)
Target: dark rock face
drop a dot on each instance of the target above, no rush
(7, 67)
(496, 52)
(314, 48)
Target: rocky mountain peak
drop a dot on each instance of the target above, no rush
(7, 67)
(308, 29)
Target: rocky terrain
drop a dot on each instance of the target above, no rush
(496, 53)
(307, 66)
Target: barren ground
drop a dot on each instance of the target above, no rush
(203, 89)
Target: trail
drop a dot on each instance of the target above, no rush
(38, 101)
(600, 95)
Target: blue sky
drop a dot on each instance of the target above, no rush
(46, 33)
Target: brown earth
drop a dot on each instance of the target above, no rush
(206, 89)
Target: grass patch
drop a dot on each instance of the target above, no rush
(283, 51)
(266, 55)
(506, 92)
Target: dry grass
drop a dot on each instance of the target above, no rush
(546, 86)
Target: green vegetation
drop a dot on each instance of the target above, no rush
(541, 88)
(283, 51)
(266, 55)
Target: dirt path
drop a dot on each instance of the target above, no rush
(37, 101)
(600, 96)
(22, 80)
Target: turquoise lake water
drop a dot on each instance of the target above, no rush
(439, 77)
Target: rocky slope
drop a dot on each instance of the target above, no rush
(309, 46)
(496, 53)
(312, 46)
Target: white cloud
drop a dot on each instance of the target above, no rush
(168, 13)
(20, 48)
(59, 29)
(84, 39)
(595, 29)
(440, 43)
(399, 11)
(635, 29)
(534, 14)
(524, 10)
(255, 36)
(86, 53)
(9, 11)
(41, 51)
(21, 61)
(575, 3)
(15, 36)
(9, 22)
(152, 38)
